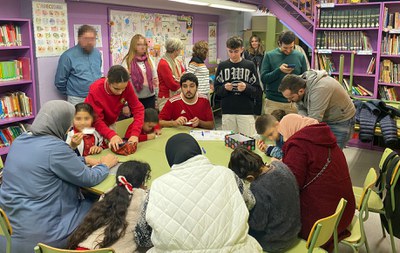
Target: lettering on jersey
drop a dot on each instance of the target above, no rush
(238, 74)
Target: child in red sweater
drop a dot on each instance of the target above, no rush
(151, 129)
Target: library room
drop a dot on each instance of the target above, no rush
(199, 126)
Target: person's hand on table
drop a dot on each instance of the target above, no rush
(95, 150)
(133, 139)
(180, 121)
(92, 161)
(76, 140)
(114, 141)
(195, 122)
(109, 160)
(261, 145)
(151, 136)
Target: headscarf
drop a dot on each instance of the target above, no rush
(180, 148)
(137, 74)
(54, 118)
(292, 123)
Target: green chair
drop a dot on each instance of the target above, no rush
(321, 232)
(42, 248)
(5, 229)
(356, 228)
(375, 203)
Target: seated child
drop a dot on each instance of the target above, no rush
(112, 220)
(267, 126)
(150, 128)
(275, 219)
(84, 143)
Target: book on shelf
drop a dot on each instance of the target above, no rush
(359, 90)
(15, 69)
(325, 62)
(9, 134)
(389, 72)
(343, 40)
(10, 35)
(391, 20)
(388, 93)
(15, 104)
(355, 18)
(371, 66)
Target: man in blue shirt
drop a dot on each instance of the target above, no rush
(79, 66)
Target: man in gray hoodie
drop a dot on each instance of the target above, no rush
(321, 97)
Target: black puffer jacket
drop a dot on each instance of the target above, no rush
(376, 111)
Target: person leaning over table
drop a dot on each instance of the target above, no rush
(40, 192)
(189, 107)
(107, 96)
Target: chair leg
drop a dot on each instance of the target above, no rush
(391, 236)
(366, 244)
(383, 229)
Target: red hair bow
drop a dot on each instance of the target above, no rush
(123, 182)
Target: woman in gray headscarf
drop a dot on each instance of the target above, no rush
(41, 179)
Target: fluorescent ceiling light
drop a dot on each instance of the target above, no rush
(228, 5)
(193, 2)
(221, 4)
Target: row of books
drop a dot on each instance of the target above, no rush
(15, 104)
(10, 35)
(391, 20)
(11, 70)
(354, 18)
(371, 66)
(325, 62)
(388, 93)
(390, 44)
(8, 134)
(343, 40)
(389, 72)
(356, 89)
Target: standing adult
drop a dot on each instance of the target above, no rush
(276, 64)
(79, 66)
(108, 96)
(169, 71)
(255, 53)
(199, 68)
(320, 168)
(237, 83)
(40, 193)
(321, 97)
(143, 71)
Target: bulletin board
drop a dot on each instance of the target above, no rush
(157, 28)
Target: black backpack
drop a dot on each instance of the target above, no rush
(392, 212)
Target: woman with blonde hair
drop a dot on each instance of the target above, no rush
(199, 68)
(169, 71)
(142, 70)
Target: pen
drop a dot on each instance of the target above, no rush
(204, 151)
(202, 133)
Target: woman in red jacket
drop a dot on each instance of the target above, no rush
(321, 170)
(169, 71)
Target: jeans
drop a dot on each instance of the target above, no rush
(343, 131)
(75, 100)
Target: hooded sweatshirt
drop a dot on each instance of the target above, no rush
(325, 99)
(306, 153)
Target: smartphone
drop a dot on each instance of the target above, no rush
(292, 66)
(121, 144)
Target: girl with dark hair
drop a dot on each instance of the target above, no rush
(82, 137)
(111, 221)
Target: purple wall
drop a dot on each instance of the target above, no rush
(10, 9)
(91, 13)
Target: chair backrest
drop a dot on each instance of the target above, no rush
(5, 229)
(324, 228)
(42, 248)
(386, 156)
(369, 182)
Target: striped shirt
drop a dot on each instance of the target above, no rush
(200, 70)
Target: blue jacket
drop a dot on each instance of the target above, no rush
(77, 70)
(41, 191)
